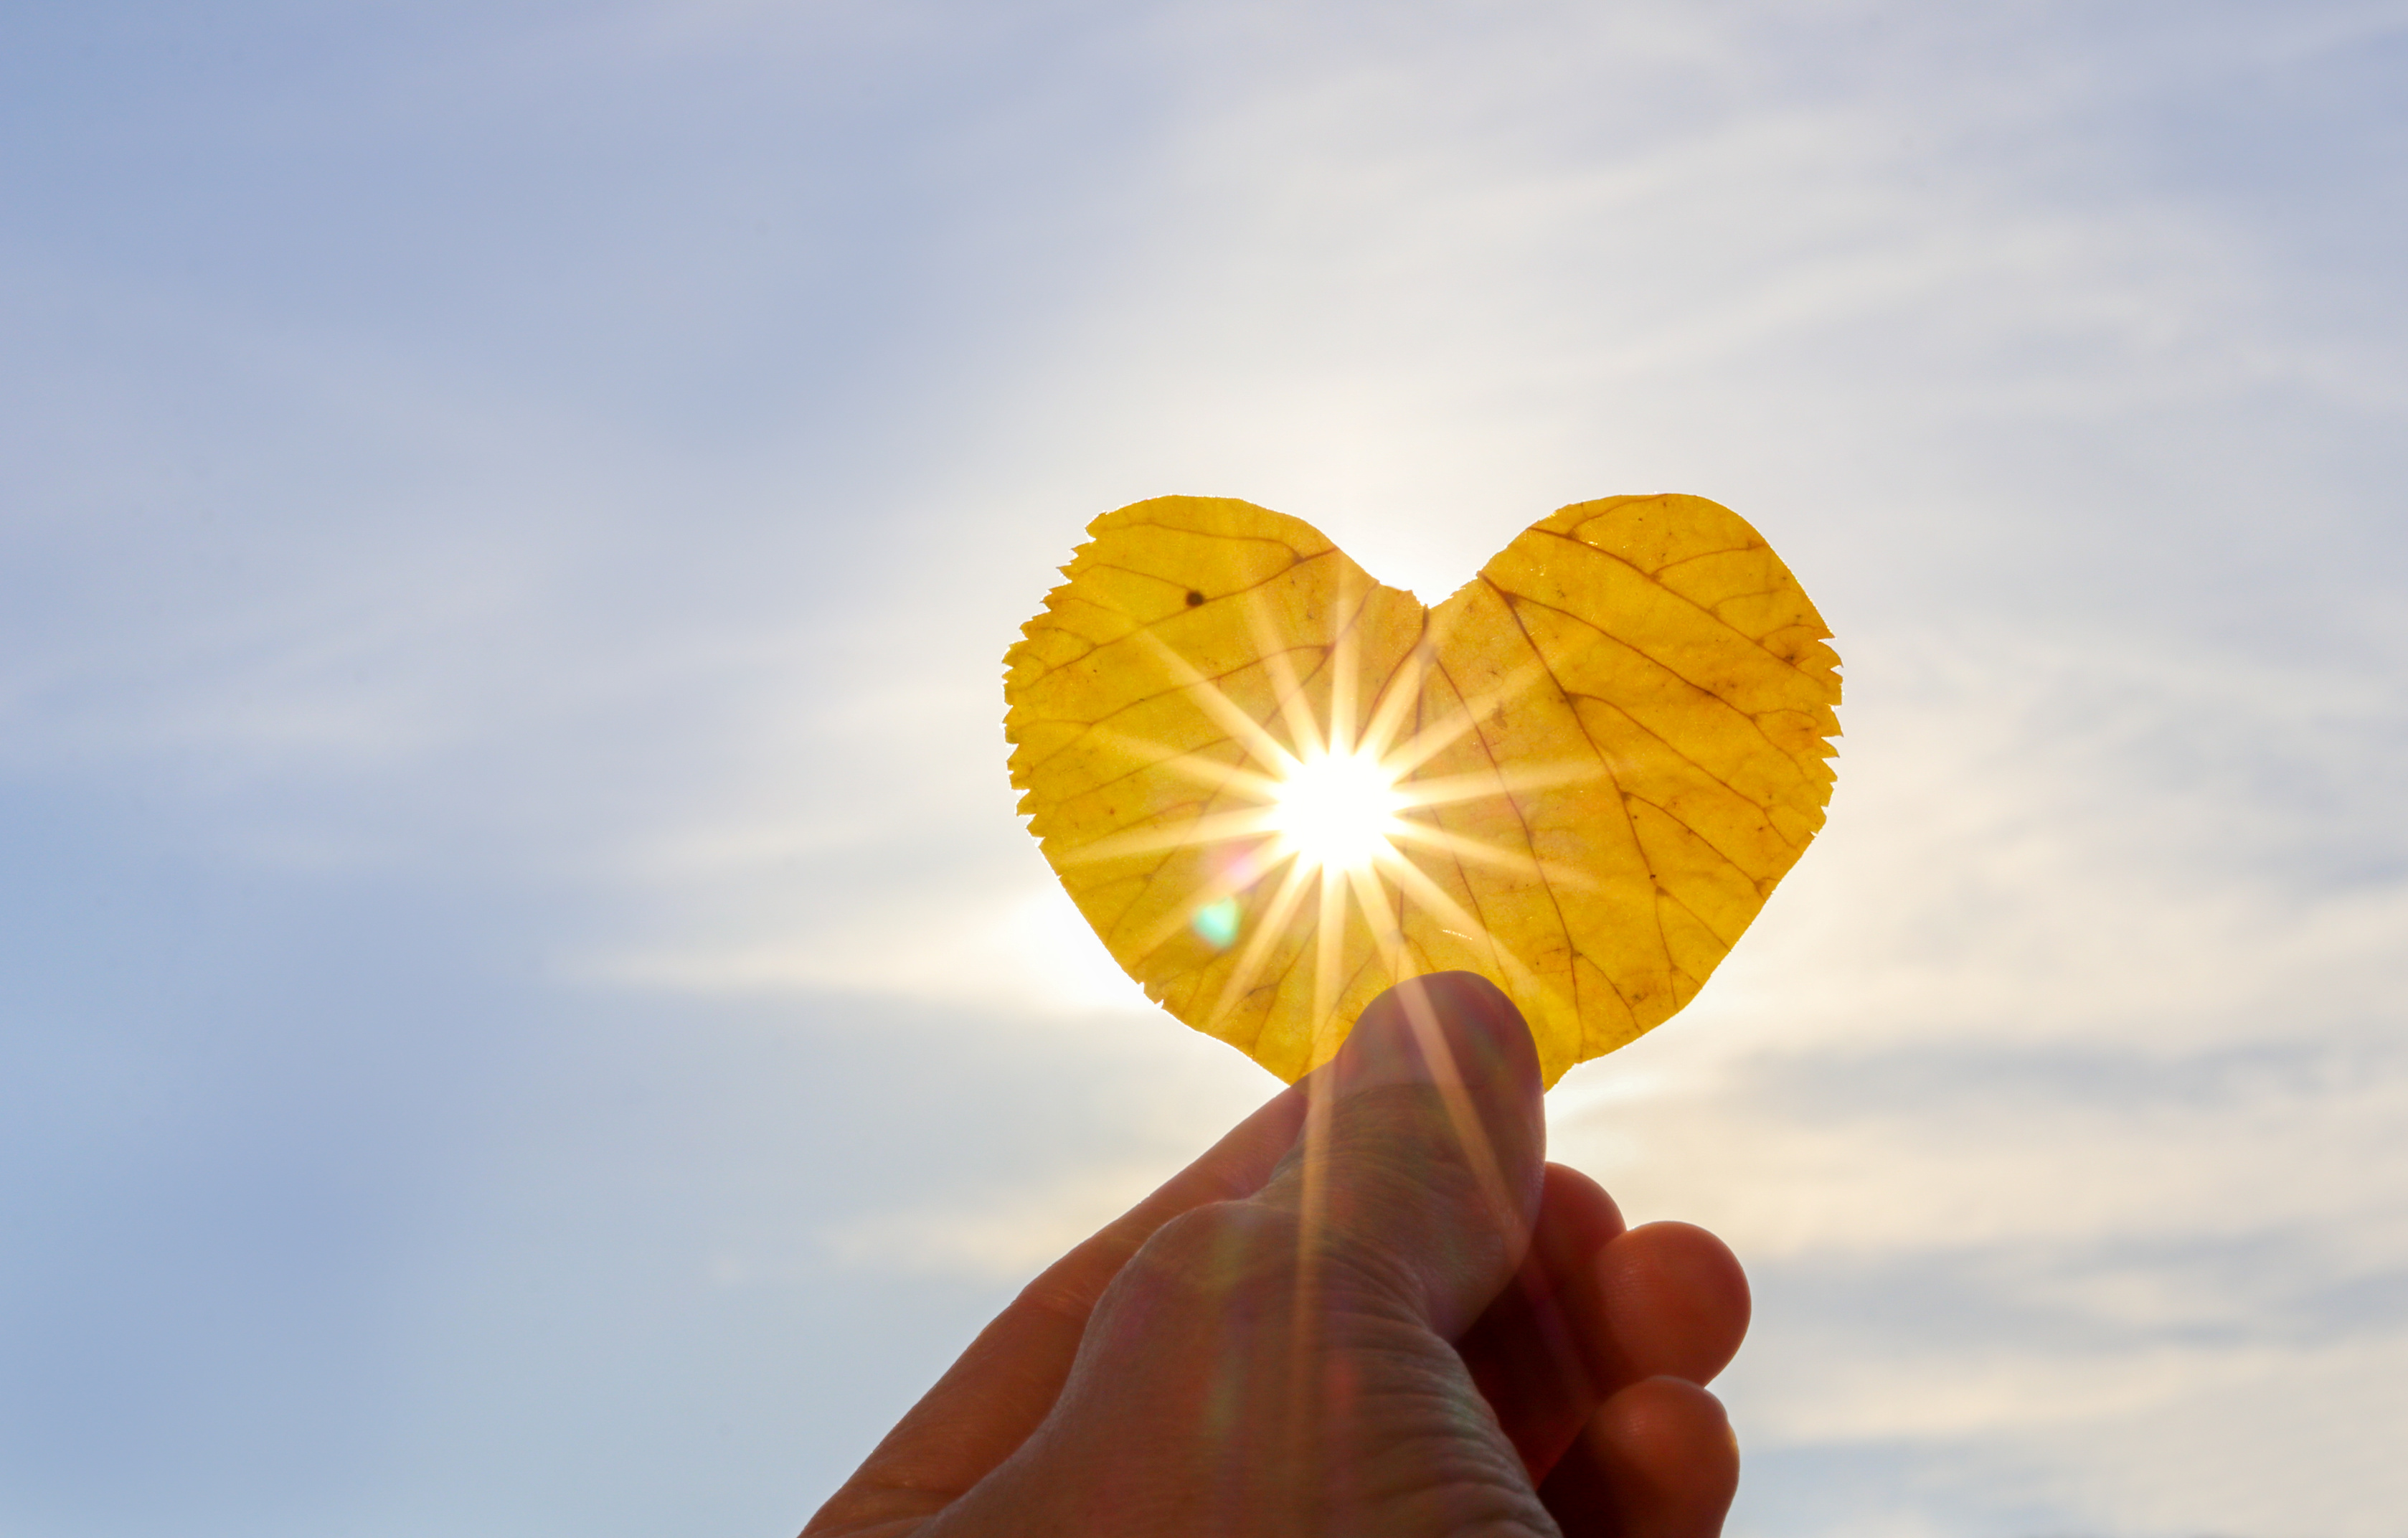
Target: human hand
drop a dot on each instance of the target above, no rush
(1372, 1308)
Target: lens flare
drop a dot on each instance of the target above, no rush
(1218, 922)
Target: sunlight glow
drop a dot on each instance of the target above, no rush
(1343, 845)
(1329, 809)
(1338, 810)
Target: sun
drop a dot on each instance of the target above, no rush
(1338, 810)
(1321, 826)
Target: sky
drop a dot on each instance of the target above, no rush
(525, 1008)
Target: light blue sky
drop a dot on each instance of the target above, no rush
(524, 1008)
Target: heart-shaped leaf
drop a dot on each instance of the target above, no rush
(1275, 787)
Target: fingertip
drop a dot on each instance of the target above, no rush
(1675, 1300)
(1455, 1034)
(1428, 1139)
(1435, 1026)
(1656, 1460)
(1576, 1219)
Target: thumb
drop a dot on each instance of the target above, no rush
(1419, 1168)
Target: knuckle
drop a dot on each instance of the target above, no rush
(1217, 1251)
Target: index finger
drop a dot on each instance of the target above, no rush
(989, 1400)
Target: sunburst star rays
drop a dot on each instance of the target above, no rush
(1275, 785)
(1322, 819)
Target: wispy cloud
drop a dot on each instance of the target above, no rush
(601, 458)
(2055, 1098)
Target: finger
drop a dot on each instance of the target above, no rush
(1670, 1300)
(1656, 1460)
(1418, 1169)
(1526, 1352)
(1001, 1387)
(1234, 1168)
(1281, 1364)
(1576, 1219)
(1595, 1309)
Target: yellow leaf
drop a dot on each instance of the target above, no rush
(1276, 787)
